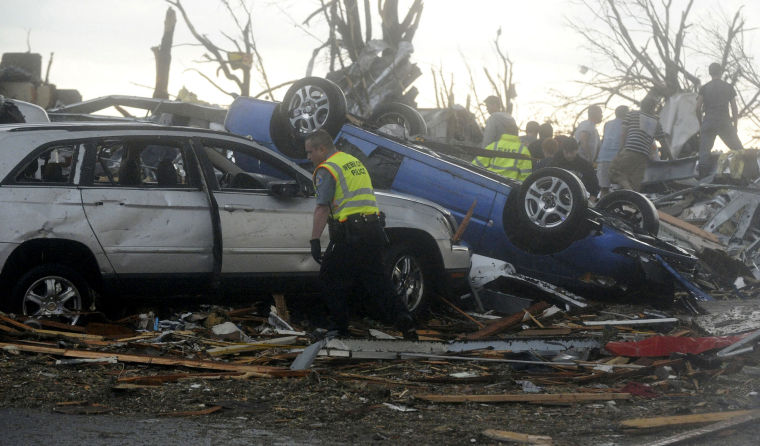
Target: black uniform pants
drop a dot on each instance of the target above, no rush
(352, 268)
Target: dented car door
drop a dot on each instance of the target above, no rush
(143, 199)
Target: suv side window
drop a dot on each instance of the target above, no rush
(139, 163)
(53, 166)
(239, 169)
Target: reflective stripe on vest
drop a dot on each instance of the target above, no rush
(507, 167)
(353, 187)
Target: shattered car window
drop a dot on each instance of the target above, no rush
(54, 165)
(140, 163)
(240, 169)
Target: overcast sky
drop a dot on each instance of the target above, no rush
(103, 46)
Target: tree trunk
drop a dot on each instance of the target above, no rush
(163, 55)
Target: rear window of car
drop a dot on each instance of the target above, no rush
(139, 163)
(54, 165)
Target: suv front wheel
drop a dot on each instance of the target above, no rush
(409, 276)
(52, 291)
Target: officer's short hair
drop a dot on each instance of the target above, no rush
(321, 138)
(715, 69)
(621, 111)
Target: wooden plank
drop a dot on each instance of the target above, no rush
(546, 332)
(8, 329)
(502, 324)
(15, 323)
(643, 423)
(60, 325)
(256, 371)
(499, 435)
(460, 311)
(190, 413)
(715, 427)
(666, 320)
(155, 380)
(282, 307)
(244, 348)
(525, 398)
(677, 222)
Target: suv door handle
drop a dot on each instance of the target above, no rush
(237, 207)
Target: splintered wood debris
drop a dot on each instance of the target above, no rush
(538, 356)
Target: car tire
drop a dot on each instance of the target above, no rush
(282, 135)
(409, 275)
(62, 289)
(401, 115)
(632, 208)
(313, 103)
(548, 212)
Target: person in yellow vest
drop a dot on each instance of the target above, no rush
(346, 203)
(517, 167)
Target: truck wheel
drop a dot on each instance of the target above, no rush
(52, 291)
(314, 103)
(632, 208)
(401, 115)
(409, 276)
(547, 213)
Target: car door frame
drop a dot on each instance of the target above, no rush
(234, 281)
(159, 285)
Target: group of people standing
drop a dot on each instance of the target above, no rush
(620, 155)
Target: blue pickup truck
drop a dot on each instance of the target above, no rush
(543, 226)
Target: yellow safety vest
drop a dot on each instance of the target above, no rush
(353, 187)
(507, 167)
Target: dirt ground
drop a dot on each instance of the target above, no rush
(357, 402)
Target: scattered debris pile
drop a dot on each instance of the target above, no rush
(550, 373)
(719, 218)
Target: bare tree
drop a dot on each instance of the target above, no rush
(244, 57)
(163, 55)
(645, 45)
(370, 71)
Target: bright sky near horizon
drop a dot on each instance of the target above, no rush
(103, 46)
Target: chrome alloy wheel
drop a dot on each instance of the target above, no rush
(53, 297)
(548, 202)
(308, 109)
(408, 281)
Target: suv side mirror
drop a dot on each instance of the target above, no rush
(284, 189)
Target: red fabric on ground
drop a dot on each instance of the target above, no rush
(665, 345)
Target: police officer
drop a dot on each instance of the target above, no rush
(518, 166)
(346, 202)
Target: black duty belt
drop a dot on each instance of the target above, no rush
(359, 218)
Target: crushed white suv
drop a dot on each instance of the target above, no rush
(105, 211)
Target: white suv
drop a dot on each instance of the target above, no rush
(109, 210)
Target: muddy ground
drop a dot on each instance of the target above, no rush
(359, 402)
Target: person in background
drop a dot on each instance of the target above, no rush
(587, 135)
(568, 158)
(518, 164)
(713, 102)
(640, 130)
(612, 140)
(549, 148)
(545, 131)
(346, 202)
(496, 123)
(531, 133)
